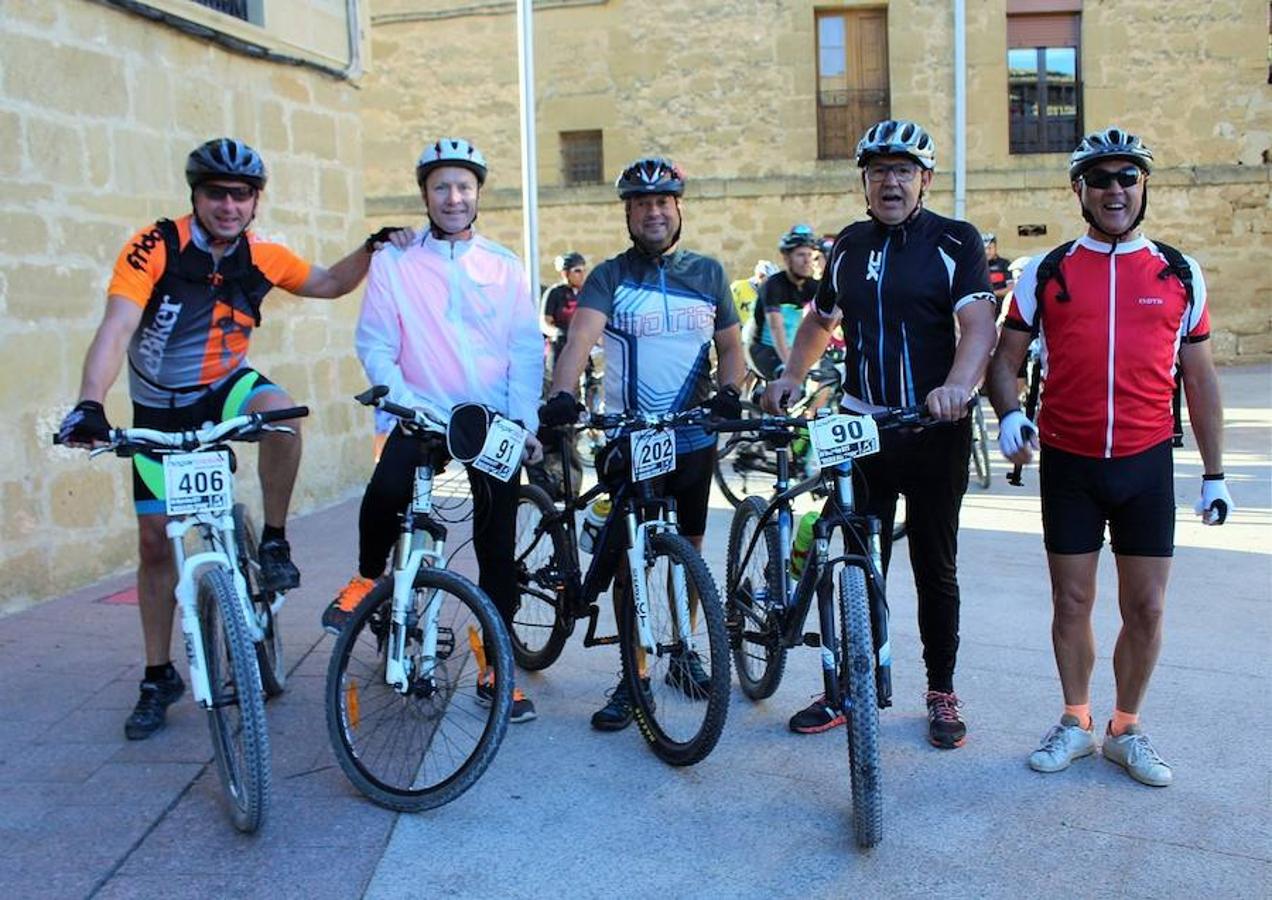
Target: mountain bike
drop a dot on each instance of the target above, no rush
(745, 462)
(403, 713)
(666, 604)
(980, 442)
(765, 612)
(229, 623)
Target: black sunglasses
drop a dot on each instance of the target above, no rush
(220, 192)
(1101, 179)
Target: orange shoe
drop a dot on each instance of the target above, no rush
(522, 708)
(337, 615)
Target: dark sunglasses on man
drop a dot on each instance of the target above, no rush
(1101, 179)
(217, 192)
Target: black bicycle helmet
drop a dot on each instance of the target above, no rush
(897, 137)
(1111, 143)
(798, 236)
(651, 175)
(451, 152)
(225, 158)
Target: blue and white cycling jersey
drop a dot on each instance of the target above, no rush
(662, 314)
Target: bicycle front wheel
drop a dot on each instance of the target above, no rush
(753, 595)
(423, 747)
(240, 739)
(682, 691)
(269, 651)
(743, 463)
(538, 631)
(980, 445)
(857, 684)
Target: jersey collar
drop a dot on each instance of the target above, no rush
(1133, 246)
(200, 238)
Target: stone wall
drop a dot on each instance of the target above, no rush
(728, 89)
(98, 109)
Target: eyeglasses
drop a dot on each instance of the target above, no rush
(905, 172)
(220, 192)
(578, 269)
(1102, 179)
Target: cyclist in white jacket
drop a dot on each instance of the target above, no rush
(451, 319)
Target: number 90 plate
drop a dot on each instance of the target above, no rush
(197, 482)
(653, 453)
(838, 438)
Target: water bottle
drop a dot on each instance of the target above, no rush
(596, 515)
(803, 543)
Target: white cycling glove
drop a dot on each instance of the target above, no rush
(1215, 503)
(1015, 433)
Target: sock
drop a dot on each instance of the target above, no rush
(1081, 712)
(1121, 720)
(272, 532)
(159, 673)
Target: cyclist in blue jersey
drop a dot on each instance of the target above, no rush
(782, 300)
(660, 309)
(896, 283)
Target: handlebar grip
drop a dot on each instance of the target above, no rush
(1220, 509)
(57, 439)
(372, 394)
(279, 415)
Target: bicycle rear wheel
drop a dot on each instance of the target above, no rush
(980, 444)
(240, 739)
(269, 651)
(753, 594)
(422, 748)
(857, 684)
(682, 710)
(538, 632)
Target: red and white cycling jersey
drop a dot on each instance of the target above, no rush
(1108, 352)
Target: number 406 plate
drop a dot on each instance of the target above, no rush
(196, 482)
(837, 438)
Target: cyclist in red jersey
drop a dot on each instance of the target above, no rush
(180, 310)
(1111, 319)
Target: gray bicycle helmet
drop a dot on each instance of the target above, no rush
(650, 175)
(569, 260)
(798, 236)
(897, 137)
(451, 152)
(1111, 143)
(225, 158)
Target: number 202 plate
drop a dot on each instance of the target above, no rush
(653, 453)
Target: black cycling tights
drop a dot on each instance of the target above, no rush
(930, 470)
(494, 520)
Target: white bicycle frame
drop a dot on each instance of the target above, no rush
(638, 541)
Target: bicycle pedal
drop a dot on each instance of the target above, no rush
(812, 639)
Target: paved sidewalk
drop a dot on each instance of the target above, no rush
(565, 811)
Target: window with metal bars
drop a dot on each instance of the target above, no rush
(582, 161)
(1044, 82)
(247, 10)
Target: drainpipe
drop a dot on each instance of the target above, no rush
(960, 109)
(529, 166)
(353, 15)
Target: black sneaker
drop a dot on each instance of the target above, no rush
(522, 709)
(278, 572)
(151, 711)
(816, 718)
(686, 674)
(946, 728)
(618, 712)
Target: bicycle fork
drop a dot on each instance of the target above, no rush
(406, 565)
(186, 594)
(637, 547)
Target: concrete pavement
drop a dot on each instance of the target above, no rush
(565, 811)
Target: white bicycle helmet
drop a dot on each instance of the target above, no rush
(1017, 265)
(451, 152)
(897, 137)
(1111, 143)
(765, 268)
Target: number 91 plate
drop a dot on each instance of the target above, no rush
(197, 482)
(838, 438)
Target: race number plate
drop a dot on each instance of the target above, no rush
(501, 453)
(653, 453)
(838, 438)
(197, 482)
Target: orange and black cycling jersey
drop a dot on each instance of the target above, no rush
(198, 313)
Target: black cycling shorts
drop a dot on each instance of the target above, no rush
(1133, 495)
(766, 361)
(228, 400)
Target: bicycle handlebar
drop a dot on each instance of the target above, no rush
(376, 396)
(916, 416)
(123, 441)
(626, 422)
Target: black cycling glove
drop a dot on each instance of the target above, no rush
(561, 409)
(380, 237)
(726, 404)
(84, 424)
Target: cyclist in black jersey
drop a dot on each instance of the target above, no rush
(896, 283)
(782, 300)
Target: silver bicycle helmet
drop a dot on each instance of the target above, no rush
(650, 175)
(451, 152)
(1111, 143)
(897, 137)
(225, 158)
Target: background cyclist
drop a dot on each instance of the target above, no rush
(783, 301)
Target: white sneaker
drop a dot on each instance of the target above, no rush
(1133, 751)
(1062, 745)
